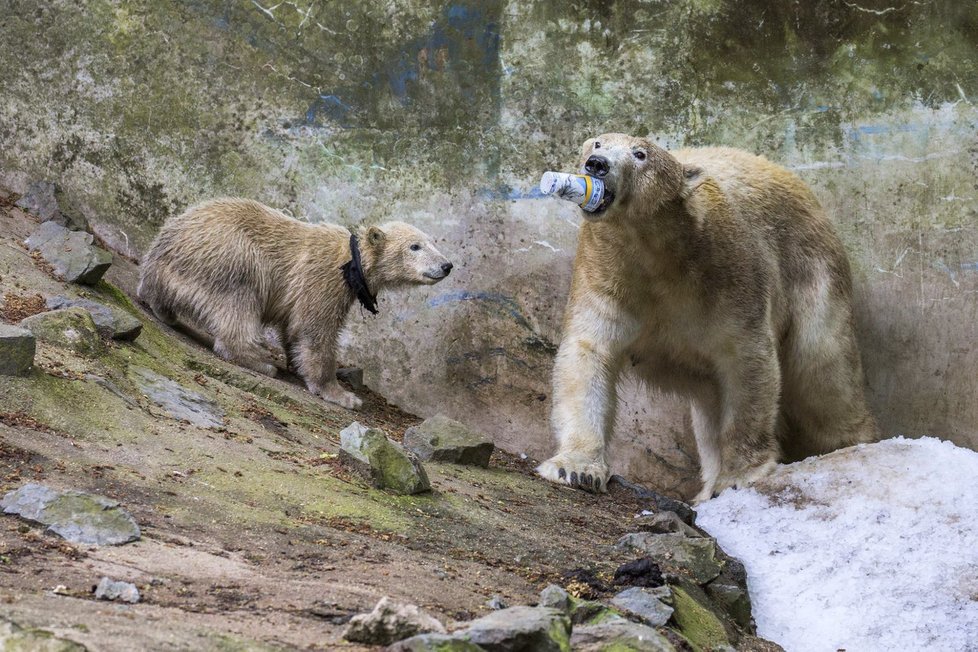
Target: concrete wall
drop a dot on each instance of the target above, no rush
(444, 114)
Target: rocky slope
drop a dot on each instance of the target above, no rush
(253, 534)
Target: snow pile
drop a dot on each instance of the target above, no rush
(870, 548)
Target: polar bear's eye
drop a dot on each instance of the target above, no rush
(415, 247)
(640, 155)
(597, 144)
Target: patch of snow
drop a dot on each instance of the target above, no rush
(869, 548)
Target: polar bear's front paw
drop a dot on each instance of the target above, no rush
(333, 393)
(583, 471)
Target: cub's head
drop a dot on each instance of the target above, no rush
(403, 255)
(638, 175)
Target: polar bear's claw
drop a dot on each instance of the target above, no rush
(584, 473)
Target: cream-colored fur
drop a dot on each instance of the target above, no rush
(234, 267)
(713, 274)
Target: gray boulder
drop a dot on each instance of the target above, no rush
(695, 558)
(69, 328)
(118, 591)
(619, 636)
(17, 348)
(520, 629)
(70, 253)
(384, 463)
(390, 622)
(77, 517)
(645, 604)
(445, 440)
(111, 322)
(176, 400)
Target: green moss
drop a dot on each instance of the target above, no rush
(697, 623)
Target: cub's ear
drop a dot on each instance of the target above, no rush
(376, 236)
(692, 177)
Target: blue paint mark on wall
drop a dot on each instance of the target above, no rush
(501, 301)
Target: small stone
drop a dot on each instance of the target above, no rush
(555, 597)
(75, 516)
(660, 502)
(176, 400)
(70, 253)
(119, 591)
(641, 572)
(520, 628)
(111, 322)
(70, 328)
(445, 440)
(434, 643)
(381, 461)
(390, 622)
(351, 375)
(40, 200)
(729, 591)
(619, 636)
(678, 554)
(645, 604)
(496, 602)
(17, 348)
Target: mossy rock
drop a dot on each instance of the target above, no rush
(699, 624)
(69, 328)
(14, 638)
(384, 463)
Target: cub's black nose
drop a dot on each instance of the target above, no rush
(446, 267)
(597, 166)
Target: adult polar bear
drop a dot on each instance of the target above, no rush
(714, 274)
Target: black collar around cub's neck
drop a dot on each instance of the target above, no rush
(355, 279)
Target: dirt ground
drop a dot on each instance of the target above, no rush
(253, 534)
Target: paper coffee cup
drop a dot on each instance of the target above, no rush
(585, 191)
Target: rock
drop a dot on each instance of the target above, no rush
(496, 602)
(351, 375)
(661, 503)
(176, 400)
(14, 638)
(519, 629)
(444, 440)
(641, 572)
(70, 253)
(381, 461)
(119, 591)
(645, 604)
(111, 322)
(434, 643)
(619, 636)
(17, 348)
(70, 328)
(729, 591)
(697, 621)
(390, 622)
(77, 517)
(666, 523)
(693, 558)
(40, 200)
(555, 597)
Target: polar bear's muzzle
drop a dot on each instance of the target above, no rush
(599, 167)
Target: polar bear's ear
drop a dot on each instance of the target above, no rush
(376, 236)
(692, 177)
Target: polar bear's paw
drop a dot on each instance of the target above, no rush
(583, 471)
(735, 480)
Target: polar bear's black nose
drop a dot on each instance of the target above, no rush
(446, 267)
(597, 166)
